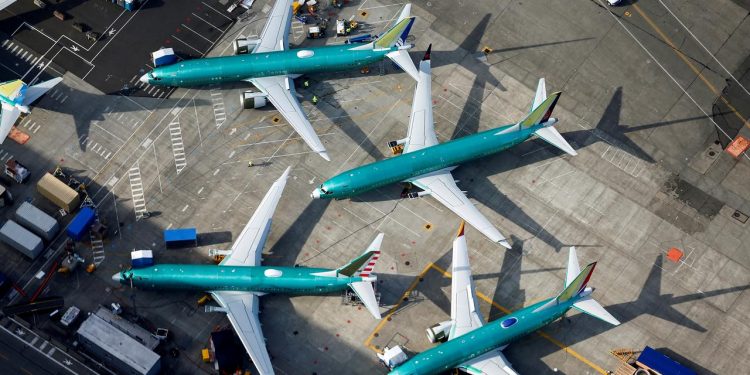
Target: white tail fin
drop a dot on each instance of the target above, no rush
(541, 115)
(366, 294)
(576, 282)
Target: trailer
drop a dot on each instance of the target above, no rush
(37, 221)
(81, 223)
(164, 56)
(16, 171)
(19, 238)
(661, 364)
(183, 237)
(58, 192)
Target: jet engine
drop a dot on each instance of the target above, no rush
(253, 99)
(244, 45)
(439, 332)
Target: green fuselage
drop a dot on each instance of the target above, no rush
(285, 280)
(413, 164)
(241, 67)
(491, 336)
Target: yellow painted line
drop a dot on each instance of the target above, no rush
(368, 342)
(689, 63)
(505, 310)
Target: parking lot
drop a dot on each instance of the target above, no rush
(644, 181)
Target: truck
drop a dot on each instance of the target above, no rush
(16, 171)
(81, 223)
(19, 238)
(37, 221)
(58, 192)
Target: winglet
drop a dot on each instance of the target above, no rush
(427, 54)
(461, 229)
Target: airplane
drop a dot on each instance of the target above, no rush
(238, 281)
(426, 164)
(475, 346)
(16, 97)
(271, 66)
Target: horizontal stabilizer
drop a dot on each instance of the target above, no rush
(403, 60)
(366, 295)
(34, 92)
(593, 308)
(553, 137)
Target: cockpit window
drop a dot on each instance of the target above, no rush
(323, 189)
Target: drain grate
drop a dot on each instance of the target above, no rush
(739, 216)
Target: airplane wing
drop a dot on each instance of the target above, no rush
(9, 116)
(465, 312)
(275, 35)
(491, 363)
(5, 3)
(441, 185)
(421, 125)
(249, 245)
(280, 91)
(34, 92)
(242, 311)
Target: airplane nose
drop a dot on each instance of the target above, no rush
(315, 194)
(144, 78)
(116, 277)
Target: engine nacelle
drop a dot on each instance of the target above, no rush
(244, 45)
(253, 99)
(439, 332)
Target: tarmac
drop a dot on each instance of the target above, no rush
(649, 88)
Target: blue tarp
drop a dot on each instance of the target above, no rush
(81, 223)
(662, 364)
(180, 237)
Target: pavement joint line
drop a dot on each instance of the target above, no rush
(692, 67)
(704, 47)
(651, 55)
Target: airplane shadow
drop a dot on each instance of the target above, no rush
(85, 108)
(651, 301)
(288, 247)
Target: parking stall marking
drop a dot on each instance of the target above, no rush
(218, 105)
(5, 156)
(137, 193)
(178, 148)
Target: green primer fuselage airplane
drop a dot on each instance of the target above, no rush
(474, 345)
(271, 65)
(244, 67)
(426, 163)
(239, 280)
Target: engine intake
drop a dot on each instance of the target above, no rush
(439, 332)
(244, 45)
(253, 99)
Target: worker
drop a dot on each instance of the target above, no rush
(306, 83)
(315, 99)
(348, 30)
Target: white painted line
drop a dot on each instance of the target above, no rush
(25, 53)
(220, 13)
(185, 43)
(196, 33)
(210, 24)
(216, 171)
(185, 208)
(200, 190)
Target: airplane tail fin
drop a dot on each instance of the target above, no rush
(541, 112)
(396, 35)
(13, 89)
(34, 92)
(576, 282)
(362, 265)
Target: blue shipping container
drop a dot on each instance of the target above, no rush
(662, 364)
(180, 237)
(81, 223)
